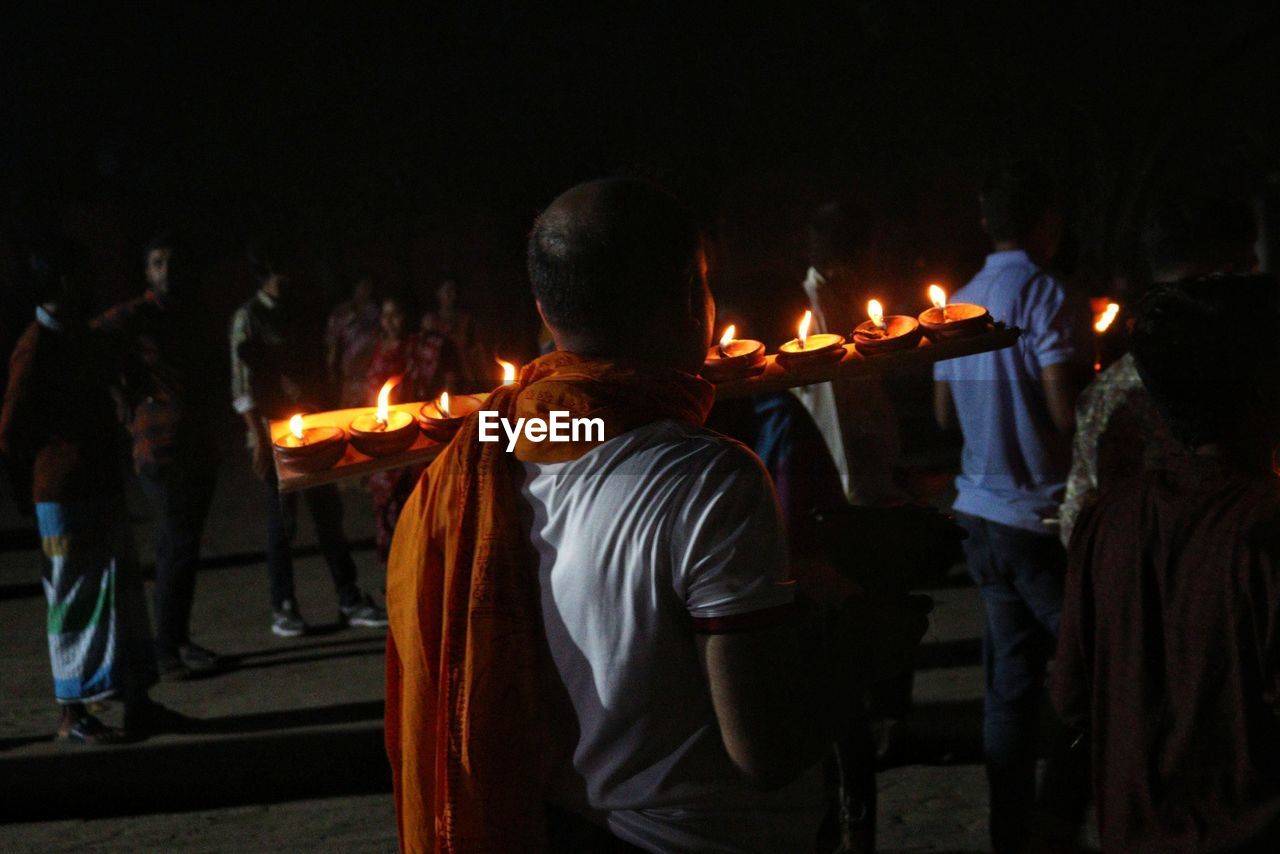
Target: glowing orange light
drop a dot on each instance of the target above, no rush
(728, 335)
(938, 297)
(443, 404)
(1107, 317)
(876, 312)
(802, 333)
(295, 425)
(384, 398)
(508, 372)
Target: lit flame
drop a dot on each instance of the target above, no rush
(876, 312)
(728, 335)
(1106, 318)
(443, 405)
(295, 424)
(938, 297)
(508, 372)
(384, 398)
(803, 331)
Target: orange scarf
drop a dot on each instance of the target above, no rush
(465, 728)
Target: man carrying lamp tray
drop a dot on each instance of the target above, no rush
(595, 643)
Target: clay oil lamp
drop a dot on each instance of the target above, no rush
(733, 357)
(952, 321)
(311, 449)
(384, 431)
(439, 419)
(508, 372)
(883, 334)
(807, 350)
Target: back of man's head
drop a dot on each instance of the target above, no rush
(611, 261)
(839, 236)
(1196, 237)
(1208, 353)
(1015, 199)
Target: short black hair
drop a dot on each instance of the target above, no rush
(165, 239)
(267, 258)
(1203, 232)
(1208, 353)
(609, 251)
(840, 232)
(1015, 196)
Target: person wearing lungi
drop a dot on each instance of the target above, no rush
(57, 437)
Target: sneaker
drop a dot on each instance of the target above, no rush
(200, 660)
(190, 661)
(172, 668)
(286, 622)
(363, 613)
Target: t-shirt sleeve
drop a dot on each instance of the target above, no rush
(1057, 324)
(728, 549)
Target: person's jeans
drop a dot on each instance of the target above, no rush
(1020, 575)
(325, 505)
(180, 494)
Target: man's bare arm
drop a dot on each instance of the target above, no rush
(770, 701)
(1062, 386)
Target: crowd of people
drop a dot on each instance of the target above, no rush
(673, 640)
(75, 379)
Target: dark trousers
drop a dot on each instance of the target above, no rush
(180, 493)
(1020, 575)
(325, 506)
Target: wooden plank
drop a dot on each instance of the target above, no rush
(774, 378)
(854, 364)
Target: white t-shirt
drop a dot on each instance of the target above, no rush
(643, 541)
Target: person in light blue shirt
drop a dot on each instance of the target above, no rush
(1016, 409)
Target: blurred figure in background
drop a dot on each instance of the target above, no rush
(1016, 409)
(57, 435)
(1118, 430)
(175, 451)
(426, 364)
(449, 319)
(276, 372)
(1170, 638)
(854, 415)
(349, 338)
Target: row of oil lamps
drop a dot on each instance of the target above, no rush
(739, 357)
(382, 432)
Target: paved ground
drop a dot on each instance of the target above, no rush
(290, 757)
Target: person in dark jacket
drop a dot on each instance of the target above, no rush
(1168, 661)
(175, 452)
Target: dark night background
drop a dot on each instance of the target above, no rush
(403, 139)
